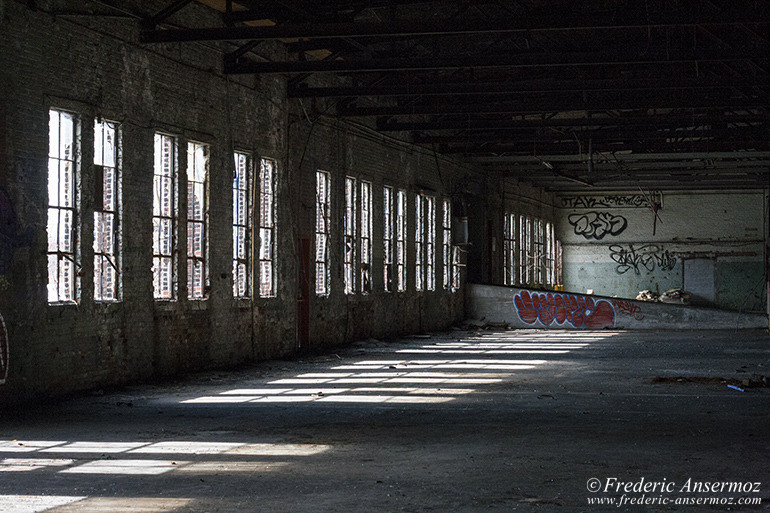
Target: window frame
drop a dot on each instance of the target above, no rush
(388, 238)
(116, 212)
(365, 237)
(247, 213)
(267, 224)
(322, 229)
(172, 255)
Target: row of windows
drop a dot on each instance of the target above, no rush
(532, 255)
(64, 210)
(357, 229)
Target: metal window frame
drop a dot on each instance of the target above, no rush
(117, 213)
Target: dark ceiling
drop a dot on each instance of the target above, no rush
(610, 94)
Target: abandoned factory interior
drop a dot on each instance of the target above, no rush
(384, 255)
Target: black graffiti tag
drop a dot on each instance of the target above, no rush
(595, 225)
(644, 257)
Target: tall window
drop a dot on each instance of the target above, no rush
(525, 229)
(558, 266)
(197, 220)
(419, 237)
(164, 215)
(365, 252)
(106, 213)
(267, 228)
(549, 252)
(350, 235)
(538, 256)
(401, 240)
(430, 243)
(456, 268)
(63, 205)
(242, 207)
(387, 238)
(322, 233)
(446, 243)
(509, 248)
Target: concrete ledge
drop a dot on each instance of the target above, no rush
(523, 308)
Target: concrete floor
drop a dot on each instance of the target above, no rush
(461, 421)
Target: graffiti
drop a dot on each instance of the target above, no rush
(579, 311)
(612, 201)
(12, 236)
(3, 351)
(595, 225)
(646, 257)
(629, 308)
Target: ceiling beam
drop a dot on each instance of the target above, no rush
(543, 147)
(522, 60)
(556, 105)
(465, 123)
(632, 157)
(525, 87)
(538, 22)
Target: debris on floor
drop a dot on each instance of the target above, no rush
(676, 296)
(756, 381)
(647, 295)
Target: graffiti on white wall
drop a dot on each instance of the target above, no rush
(549, 309)
(647, 257)
(612, 201)
(595, 225)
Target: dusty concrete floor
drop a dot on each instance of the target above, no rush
(459, 422)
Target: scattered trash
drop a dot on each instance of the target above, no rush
(676, 296)
(739, 389)
(546, 396)
(647, 295)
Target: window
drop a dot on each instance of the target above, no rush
(197, 220)
(242, 207)
(401, 240)
(350, 235)
(558, 266)
(365, 253)
(267, 228)
(419, 237)
(63, 206)
(446, 243)
(538, 251)
(106, 212)
(430, 244)
(387, 238)
(164, 215)
(525, 229)
(548, 254)
(322, 233)
(509, 249)
(456, 268)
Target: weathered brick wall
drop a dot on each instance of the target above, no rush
(94, 66)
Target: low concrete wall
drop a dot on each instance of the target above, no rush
(521, 308)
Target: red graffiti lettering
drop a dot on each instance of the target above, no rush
(579, 311)
(629, 308)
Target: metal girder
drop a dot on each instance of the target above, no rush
(523, 60)
(539, 147)
(556, 105)
(611, 134)
(150, 23)
(466, 123)
(525, 87)
(541, 22)
(632, 157)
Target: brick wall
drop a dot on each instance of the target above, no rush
(95, 67)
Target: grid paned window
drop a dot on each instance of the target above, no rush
(446, 243)
(349, 271)
(430, 243)
(63, 205)
(456, 268)
(549, 251)
(558, 266)
(509, 248)
(242, 208)
(419, 240)
(197, 220)
(387, 239)
(164, 217)
(322, 233)
(106, 212)
(525, 224)
(538, 249)
(365, 246)
(267, 228)
(401, 240)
